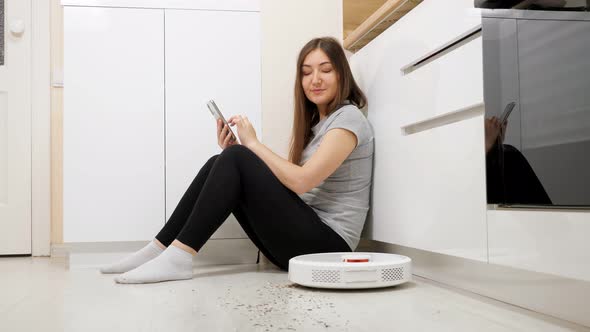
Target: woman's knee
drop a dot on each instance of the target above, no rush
(212, 159)
(236, 152)
(236, 148)
(240, 157)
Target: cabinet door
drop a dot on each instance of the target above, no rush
(209, 55)
(113, 124)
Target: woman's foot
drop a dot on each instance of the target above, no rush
(173, 264)
(145, 254)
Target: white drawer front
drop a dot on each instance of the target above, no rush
(432, 25)
(554, 242)
(452, 82)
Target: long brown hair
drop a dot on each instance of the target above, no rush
(306, 113)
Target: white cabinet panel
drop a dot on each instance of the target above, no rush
(113, 124)
(209, 55)
(554, 242)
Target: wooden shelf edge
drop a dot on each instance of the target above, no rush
(381, 15)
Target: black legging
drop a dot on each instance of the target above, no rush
(279, 223)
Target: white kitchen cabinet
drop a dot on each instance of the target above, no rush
(429, 173)
(136, 127)
(113, 168)
(429, 182)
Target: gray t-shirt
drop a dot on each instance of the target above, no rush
(342, 200)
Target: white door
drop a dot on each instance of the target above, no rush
(15, 129)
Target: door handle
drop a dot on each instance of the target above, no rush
(17, 27)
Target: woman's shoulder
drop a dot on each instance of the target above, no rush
(352, 118)
(349, 111)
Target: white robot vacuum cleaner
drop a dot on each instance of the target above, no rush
(347, 270)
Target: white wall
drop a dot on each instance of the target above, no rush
(286, 26)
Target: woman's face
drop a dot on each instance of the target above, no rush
(318, 78)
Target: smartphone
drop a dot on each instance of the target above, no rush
(507, 112)
(217, 115)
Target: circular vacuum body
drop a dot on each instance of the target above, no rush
(350, 270)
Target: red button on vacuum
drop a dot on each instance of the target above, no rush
(361, 260)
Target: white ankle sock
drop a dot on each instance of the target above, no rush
(173, 264)
(145, 254)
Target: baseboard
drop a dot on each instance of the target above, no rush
(59, 251)
(95, 254)
(555, 296)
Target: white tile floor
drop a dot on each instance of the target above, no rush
(39, 294)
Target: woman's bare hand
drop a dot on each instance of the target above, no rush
(246, 131)
(225, 137)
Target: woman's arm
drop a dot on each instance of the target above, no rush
(335, 147)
